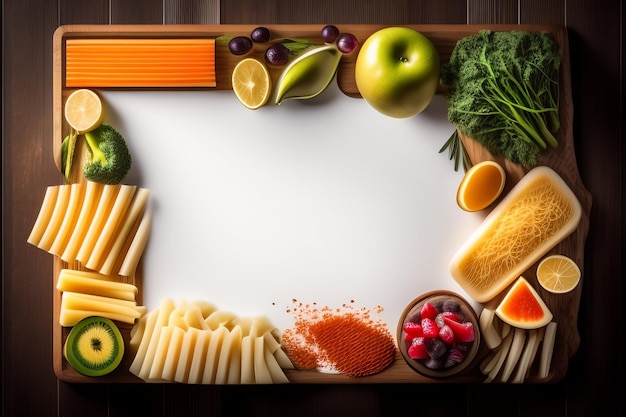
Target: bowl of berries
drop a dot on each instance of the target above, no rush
(438, 334)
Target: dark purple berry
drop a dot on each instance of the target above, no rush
(347, 42)
(260, 34)
(330, 33)
(240, 45)
(277, 54)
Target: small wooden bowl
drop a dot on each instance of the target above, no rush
(412, 313)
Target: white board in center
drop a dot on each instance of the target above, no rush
(323, 200)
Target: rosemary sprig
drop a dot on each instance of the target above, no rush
(457, 151)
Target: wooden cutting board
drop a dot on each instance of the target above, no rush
(444, 37)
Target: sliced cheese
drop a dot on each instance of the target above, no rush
(107, 200)
(69, 317)
(262, 374)
(137, 246)
(213, 355)
(173, 356)
(45, 213)
(77, 196)
(144, 343)
(198, 359)
(88, 282)
(187, 348)
(164, 311)
(234, 365)
(247, 360)
(56, 219)
(135, 212)
(93, 192)
(115, 217)
(157, 362)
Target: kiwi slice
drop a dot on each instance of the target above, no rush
(94, 346)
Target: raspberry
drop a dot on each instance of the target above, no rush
(429, 328)
(446, 334)
(412, 330)
(417, 350)
(429, 311)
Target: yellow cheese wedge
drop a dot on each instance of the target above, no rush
(45, 213)
(135, 212)
(109, 229)
(93, 191)
(77, 196)
(60, 208)
(109, 194)
(198, 359)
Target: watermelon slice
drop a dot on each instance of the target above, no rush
(522, 307)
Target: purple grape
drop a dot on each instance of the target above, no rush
(330, 33)
(239, 45)
(347, 42)
(260, 34)
(277, 54)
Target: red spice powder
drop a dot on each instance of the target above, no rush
(345, 339)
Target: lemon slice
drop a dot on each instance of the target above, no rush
(558, 274)
(252, 83)
(481, 185)
(84, 110)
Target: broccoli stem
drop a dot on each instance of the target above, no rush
(93, 145)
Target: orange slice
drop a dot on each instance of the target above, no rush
(252, 83)
(522, 307)
(481, 185)
(84, 110)
(558, 274)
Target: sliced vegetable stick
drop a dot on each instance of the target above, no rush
(524, 361)
(135, 211)
(490, 361)
(517, 345)
(489, 333)
(503, 352)
(540, 333)
(45, 213)
(547, 349)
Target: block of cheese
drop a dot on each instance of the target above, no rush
(537, 214)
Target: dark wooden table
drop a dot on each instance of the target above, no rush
(593, 383)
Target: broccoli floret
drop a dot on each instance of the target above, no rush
(109, 158)
(503, 91)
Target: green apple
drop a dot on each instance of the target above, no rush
(397, 71)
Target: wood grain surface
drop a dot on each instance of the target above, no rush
(593, 384)
(444, 37)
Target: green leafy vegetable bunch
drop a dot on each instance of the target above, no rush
(503, 91)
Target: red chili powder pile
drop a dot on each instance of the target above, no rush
(346, 339)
